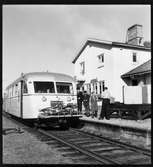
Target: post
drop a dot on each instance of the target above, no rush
(123, 93)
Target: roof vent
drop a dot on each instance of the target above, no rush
(134, 35)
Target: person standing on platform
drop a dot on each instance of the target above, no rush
(93, 104)
(105, 103)
(86, 98)
(79, 100)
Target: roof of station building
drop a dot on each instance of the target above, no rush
(140, 70)
(91, 41)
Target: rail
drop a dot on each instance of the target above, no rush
(98, 149)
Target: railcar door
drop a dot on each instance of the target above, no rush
(17, 105)
(18, 111)
(21, 99)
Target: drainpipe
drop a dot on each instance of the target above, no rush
(123, 93)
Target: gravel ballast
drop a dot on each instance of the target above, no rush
(23, 148)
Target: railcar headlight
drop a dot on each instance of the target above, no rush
(69, 99)
(44, 98)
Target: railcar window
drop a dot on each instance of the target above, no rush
(25, 90)
(63, 87)
(16, 89)
(44, 87)
(9, 92)
(13, 90)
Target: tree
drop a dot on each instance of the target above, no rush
(147, 44)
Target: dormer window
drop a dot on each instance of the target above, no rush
(134, 57)
(82, 67)
(101, 58)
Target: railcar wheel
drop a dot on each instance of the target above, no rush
(64, 126)
(75, 123)
(37, 124)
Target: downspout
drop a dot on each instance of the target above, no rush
(123, 93)
(21, 102)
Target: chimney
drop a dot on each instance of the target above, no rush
(134, 35)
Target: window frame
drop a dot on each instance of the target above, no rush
(82, 67)
(101, 58)
(52, 82)
(71, 90)
(134, 57)
(25, 86)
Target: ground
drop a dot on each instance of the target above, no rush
(24, 148)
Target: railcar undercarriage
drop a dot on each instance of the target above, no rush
(59, 115)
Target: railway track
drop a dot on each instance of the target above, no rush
(86, 148)
(100, 149)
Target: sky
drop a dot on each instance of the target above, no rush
(48, 37)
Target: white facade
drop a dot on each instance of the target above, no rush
(117, 60)
(137, 94)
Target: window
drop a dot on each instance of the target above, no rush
(82, 67)
(101, 58)
(16, 89)
(44, 87)
(12, 91)
(101, 86)
(63, 87)
(134, 57)
(25, 90)
(9, 92)
(88, 88)
(82, 88)
(94, 85)
(96, 89)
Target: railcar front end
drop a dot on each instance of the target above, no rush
(47, 97)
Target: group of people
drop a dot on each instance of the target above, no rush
(90, 103)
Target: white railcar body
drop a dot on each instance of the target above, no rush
(34, 91)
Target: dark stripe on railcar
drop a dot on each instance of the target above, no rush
(21, 101)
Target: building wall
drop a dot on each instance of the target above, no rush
(137, 94)
(123, 63)
(148, 79)
(133, 95)
(117, 61)
(92, 65)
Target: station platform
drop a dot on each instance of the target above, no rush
(131, 131)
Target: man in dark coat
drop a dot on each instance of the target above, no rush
(105, 104)
(79, 100)
(86, 98)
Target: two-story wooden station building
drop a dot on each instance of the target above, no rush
(101, 63)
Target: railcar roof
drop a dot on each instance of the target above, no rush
(44, 75)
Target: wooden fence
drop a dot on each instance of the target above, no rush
(130, 111)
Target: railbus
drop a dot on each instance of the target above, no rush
(43, 97)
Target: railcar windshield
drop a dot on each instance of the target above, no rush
(63, 87)
(44, 87)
